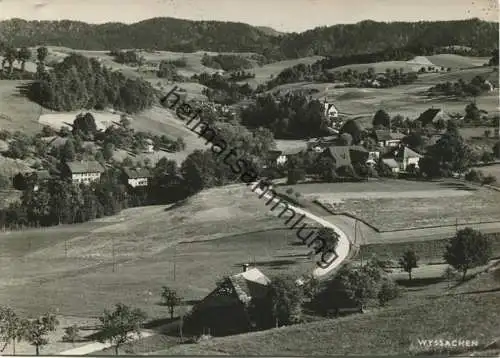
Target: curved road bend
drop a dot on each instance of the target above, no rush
(343, 246)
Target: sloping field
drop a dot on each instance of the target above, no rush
(408, 210)
(103, 119)
(378, 67)
(189, 248)
(16, 111)
(467, 75)
(406, 100)
(456, 61)
(10, 167)
(263, 74)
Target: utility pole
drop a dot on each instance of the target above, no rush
(175, 259)
(113, 252)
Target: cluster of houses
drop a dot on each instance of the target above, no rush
(390, 149)
(85, 172)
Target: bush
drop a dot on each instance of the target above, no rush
(488, 180)
(289, 191)
(474, 176)
(389, 290)
(71, 334)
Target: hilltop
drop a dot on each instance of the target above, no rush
(189, 36)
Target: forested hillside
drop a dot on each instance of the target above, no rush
(186, 36)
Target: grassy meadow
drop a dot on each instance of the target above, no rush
(71, 267)
(444, 205)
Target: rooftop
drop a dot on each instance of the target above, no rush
(85, 167)
(250, 284)
(137, 173)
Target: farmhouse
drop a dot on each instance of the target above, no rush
(386, 138)
(432, 115)
(149, 147)
(83, 171)
(346, 155)
(331, 111)
(403, 156)
(138, 177)
(280, 157)
(226, 311)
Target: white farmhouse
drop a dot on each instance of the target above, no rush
(136, 177)
(83, 172)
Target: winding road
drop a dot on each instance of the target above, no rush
(344, 244)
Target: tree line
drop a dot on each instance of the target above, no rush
(189, 36)
(292, 116)
(221, 90)
(460, 88)
(226, 62)
(79, 82)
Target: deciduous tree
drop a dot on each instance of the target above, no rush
(118, 325)
(36, 330)
(468, 249)
(170, 299)
(408, 261)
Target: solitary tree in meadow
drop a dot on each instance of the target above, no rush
(468, 249)
(408, 262)
(36, 330)
(170, 299)
(118, 325)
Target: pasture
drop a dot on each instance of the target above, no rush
(187, 247)
(398, 205)
(16, 111)
(266, 72)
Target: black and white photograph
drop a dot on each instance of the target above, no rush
(249, 178)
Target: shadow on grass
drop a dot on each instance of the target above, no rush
(271, 264)
(457, 186)
(419, 282)
(159, 322)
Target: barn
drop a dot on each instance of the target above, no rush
(235, 306)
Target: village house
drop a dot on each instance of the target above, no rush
(280, 157)
(226, 310)
(400, 158)
(386, 138)
(331, 111)
(148, 146)
(138, 177)
(319, 144)
(83, 172)
(431, 116)
(346, 155)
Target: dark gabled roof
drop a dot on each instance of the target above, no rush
(401, 153)
(250, 284)
(428, 116)
(136, 173)
(42, 174)
(341, 155)
(85, 167)
(292, 151)
(383, 135)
